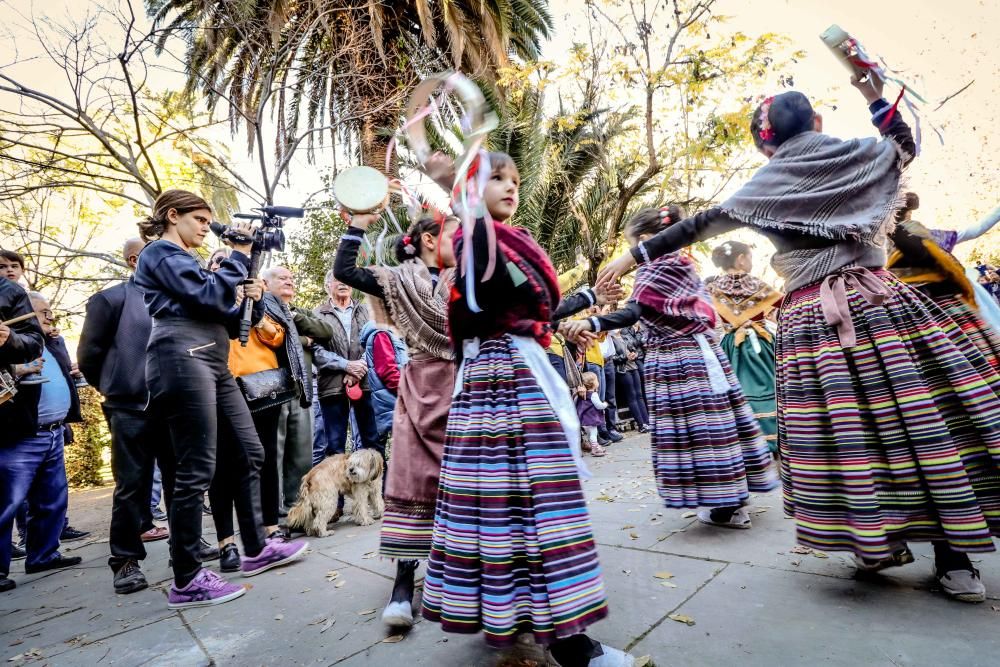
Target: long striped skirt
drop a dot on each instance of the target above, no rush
(895, 439)
(707, 448)
(982, 335)
(512, 548)
(418, 426)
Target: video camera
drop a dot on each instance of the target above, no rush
(266, 238)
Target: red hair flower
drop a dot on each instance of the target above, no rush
(766, 132)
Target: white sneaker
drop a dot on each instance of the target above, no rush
(740, 519)
(612, 657)
(398, 615)
(963, 585)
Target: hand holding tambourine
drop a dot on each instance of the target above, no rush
(361, 190)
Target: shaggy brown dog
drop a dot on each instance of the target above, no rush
(357, 475)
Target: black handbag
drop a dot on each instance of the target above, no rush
(266, 389)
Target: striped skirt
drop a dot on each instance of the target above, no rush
(895, 439)
(512, 548)
(707, 448)
(982, 335)
(418, 427)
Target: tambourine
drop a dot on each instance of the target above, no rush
(360, 189)
(8, 387)
(481, 119)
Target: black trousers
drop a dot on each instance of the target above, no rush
(189, 380)
(138, 440)
(228, 481)
(610, 395)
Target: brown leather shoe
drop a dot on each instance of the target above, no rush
(155, 534)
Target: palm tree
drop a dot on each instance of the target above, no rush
(341, 67)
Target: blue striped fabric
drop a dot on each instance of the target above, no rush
(895, 439)
(512, 548)
(707, 448)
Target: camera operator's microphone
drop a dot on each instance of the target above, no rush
(283, 211)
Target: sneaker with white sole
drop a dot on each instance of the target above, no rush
(275, 553)
(398, 614)
(206, 589)
(740, 519)
(963, 585)
(612, 657)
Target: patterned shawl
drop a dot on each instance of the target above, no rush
(740, 297)
(820, 186)
(674, 298)
(414, 306)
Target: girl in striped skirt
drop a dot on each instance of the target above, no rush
(412, 297)
(888, 414)
(512, 549)
(708, 450)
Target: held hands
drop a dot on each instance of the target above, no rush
(581, 391)
(871, 87)
(441, 168)
(4, 334)
(608, 293)
(615, 270)
(578, 331)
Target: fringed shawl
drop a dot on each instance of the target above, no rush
(414, 306)
(673, 297)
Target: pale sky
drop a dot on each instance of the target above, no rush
(938, 47)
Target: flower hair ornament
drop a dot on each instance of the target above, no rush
(408, 246)
(665, 216)
(728, 249)
(766, 132)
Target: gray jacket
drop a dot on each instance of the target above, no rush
(344, 344)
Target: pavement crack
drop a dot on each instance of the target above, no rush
(632, 644)
(41, 620)
(197, 640)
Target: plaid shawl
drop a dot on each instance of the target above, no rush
(414, 306)
(525, 310)
(817, 185)
(675, 301)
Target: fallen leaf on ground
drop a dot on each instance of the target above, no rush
(820, 554)
(796, 561)
(644, 661)
(634, 536)
(668, 584)
(339, 583)
(663, 575)
(627, 526)
(329, 624)
(332, 575)
(305, 590)
(367, 612)
(689, 515)
(681, 618)
(394, 639)
(627, 571)
(370, 554)
(279, 617)
(799, 549)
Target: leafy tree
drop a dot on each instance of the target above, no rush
(341, 66)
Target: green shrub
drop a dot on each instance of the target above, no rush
(91, 440)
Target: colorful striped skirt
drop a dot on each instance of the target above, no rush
(418, 427)
(512, 548)
(754, 369)
(982, 335)
(895, 439)
(707, 448)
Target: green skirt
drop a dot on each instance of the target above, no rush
(755, 372)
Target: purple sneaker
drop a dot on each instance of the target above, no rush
(274, 554)
(206, 589)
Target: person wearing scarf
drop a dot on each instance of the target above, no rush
(888, 414)
(512, 549)
(707, 448)
(745, 304)
(922, 258)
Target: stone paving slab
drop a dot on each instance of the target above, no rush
(753, 601)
